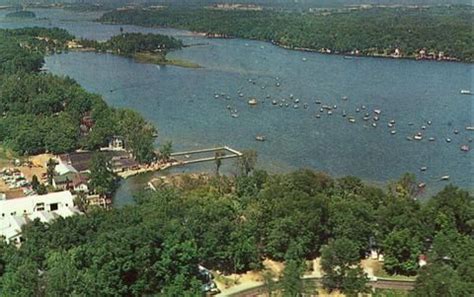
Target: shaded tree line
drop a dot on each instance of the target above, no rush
(128, 44)
(43, 112)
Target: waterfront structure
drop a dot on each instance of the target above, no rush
(14, 213)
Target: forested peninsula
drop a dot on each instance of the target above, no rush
(145, 48)
(435, 33)
(46, 113)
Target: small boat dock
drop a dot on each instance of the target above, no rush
(226, 153)
(186, 158)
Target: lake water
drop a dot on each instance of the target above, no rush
(182, 104)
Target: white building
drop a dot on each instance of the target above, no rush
(14, 213)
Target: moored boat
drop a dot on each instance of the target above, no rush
(252, 101)
(260, 138)
(466, 92)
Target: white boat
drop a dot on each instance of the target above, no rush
(448, 140)
(470, 128)
(304, 59)
(418, 137)
(377, 111)
(352, 120)
(445, 177)
(374, 125)
(252, 101)
(466, 92)
(424, 168)
(464, 148)
(431, 139)
(235, 115)
(260, 138)
(393, 132)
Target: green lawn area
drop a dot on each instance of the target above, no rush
(160, 59)
(6, 156)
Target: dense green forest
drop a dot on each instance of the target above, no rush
(144, 48)
(128, 44)
(376, 31)
(232, 224)
(43, 112)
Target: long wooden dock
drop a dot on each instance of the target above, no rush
(233, 154)
(208, 150)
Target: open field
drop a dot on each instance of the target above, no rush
(160, 59)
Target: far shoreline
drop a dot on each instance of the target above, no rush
(300, 49)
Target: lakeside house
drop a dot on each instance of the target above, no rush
(15, 213)
(80, 162)
(72, 181)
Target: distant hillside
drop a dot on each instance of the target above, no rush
(25, 14)
(290, 4)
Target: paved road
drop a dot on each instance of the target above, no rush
(255, 288)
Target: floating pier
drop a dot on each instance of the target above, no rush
(229, 153)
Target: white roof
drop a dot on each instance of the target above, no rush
(25, 210)
(11, 226)
(28, 205)
(43, 216)
(63, 168)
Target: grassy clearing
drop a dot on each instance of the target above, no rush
(160, 59)
(6, 155)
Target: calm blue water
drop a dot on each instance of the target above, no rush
(181, 103)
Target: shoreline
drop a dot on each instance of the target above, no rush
(311, 50)
(146, 58)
